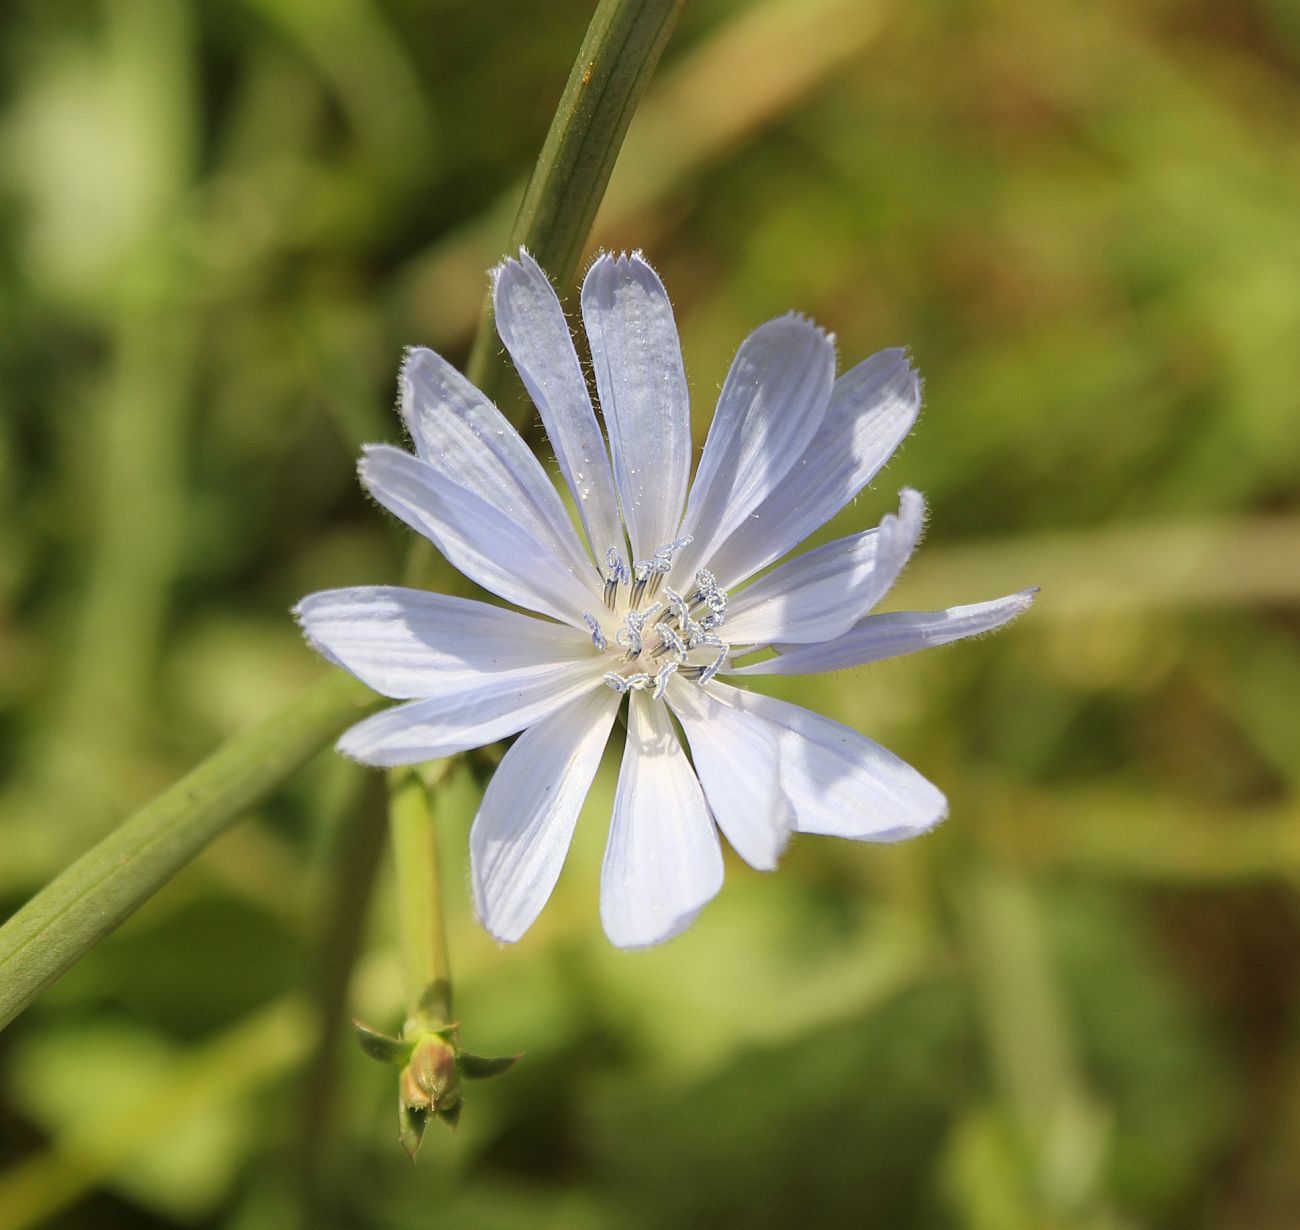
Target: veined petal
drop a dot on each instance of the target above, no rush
(480, 712)
(637, 360)
(663, 862)
(820, 595)
(522, 832)
(772, 402)
(890, 636)
(464, 436)
(476, 536)
(408, 643)
(736, 759)
(839, 782)
(531, 323)
(872, 408)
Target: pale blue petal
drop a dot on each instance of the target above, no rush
(522, 832)
(840, 783)
(663, 862)
(772, 402)
(821, 594)
(531, 323)
(482, 711)
(890, 636)
(462, 435)
(637, 361)
(736, 759)
(477, 537)
(408, 643)
(872, 409)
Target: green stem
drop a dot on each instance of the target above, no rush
(614, 66)
(422, 930)
(82, 905)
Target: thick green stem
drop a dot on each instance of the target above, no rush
(76, 910)
(422, 930)
(614, 66)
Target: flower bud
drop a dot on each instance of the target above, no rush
(429, 1080)
(432, 1065)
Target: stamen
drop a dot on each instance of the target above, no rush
(710, 595)
(669, 639)
(629, 636)
(680, 624)
(705, 584)
(597, 636)
(715, 666)
(640, 682)
(695, 633)
(616, 574)
(616, 569)
(677, 608)
(666, 672)
(651, 572)
(678, 544)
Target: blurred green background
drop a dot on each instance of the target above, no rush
(1073, 1006)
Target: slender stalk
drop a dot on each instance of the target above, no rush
(106, 884)
(422, 929)
(614, 65)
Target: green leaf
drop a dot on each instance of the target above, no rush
(381, 1046)
(479, 1068)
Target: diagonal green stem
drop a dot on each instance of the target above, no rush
(106, 884)
(613, 68)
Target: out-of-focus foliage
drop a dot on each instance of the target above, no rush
(1074, 1006)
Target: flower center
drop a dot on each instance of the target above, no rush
(662, 633)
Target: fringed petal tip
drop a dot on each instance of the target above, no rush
(523, 259)
(622, 261)
(911, 504)
(903, 370)
(805, 321)
(364, 464)
(413, 359)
